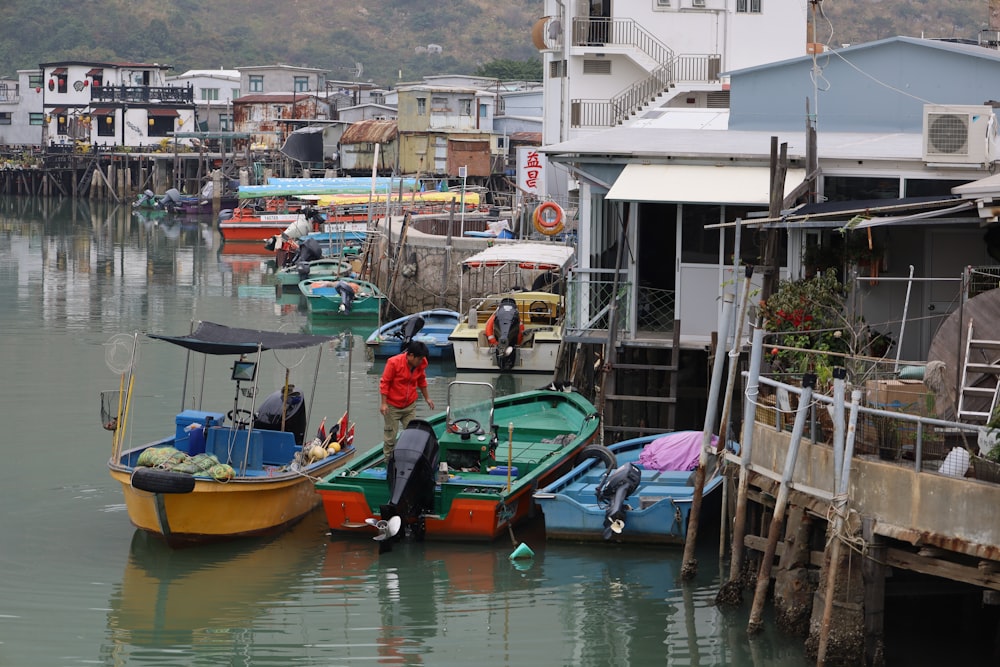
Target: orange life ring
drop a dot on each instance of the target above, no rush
(548, 218)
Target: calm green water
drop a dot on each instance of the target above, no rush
(81, 587)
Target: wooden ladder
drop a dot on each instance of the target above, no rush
(980, 378)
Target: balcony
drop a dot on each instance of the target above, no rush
(142, 94)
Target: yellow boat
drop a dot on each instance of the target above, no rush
(221, 475)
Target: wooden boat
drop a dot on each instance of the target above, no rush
(218, 474)
(325, 268)
(430, 326)
(612, 496)
(324, 299)
(513, 329)
(248, 224)
(465, 474)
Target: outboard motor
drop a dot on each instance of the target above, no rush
(615, 487)
(411, 327)
(309, 250)
(147, 197)
(171, 200)
(411, 475)
(270, 412)
(507, 330)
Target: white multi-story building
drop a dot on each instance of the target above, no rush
(214, 92)
(114, 104)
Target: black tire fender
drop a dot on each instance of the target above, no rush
(597, 452)
(156, 480)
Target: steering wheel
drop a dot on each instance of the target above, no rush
(240, 418)
(465, 426)
(540, 307)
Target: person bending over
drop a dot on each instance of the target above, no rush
(403, 377)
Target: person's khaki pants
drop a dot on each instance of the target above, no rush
(394, 417)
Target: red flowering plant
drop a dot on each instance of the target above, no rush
(807, 319)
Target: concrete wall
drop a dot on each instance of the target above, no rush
(918, 507)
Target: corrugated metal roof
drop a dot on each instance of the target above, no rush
(370, 132)
(527, 137)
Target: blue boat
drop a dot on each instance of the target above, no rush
(430, 326)
(609, 495)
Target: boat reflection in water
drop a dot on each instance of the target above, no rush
(439, 601)
(207, 601)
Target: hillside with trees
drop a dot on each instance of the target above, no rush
(394, 40)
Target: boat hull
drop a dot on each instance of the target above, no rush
(475, 505)
(659, 506)
(438, 325)
(216, 511)
(324, 300)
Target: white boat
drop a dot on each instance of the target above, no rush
(518, 325)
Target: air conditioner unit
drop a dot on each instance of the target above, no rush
(959, 134)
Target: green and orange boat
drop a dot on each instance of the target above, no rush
(466, 474)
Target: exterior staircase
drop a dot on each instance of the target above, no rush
(665, 69)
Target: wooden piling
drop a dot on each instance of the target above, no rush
(754, 626)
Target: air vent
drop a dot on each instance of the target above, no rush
(959, 134)
(597, 66)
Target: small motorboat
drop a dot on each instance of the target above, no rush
(430, 326)
(465, 474)
(628, 492)
(224, 474)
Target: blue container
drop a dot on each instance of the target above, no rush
(182, 436)
(502, 470)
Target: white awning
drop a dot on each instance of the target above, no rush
(702, 184)
(545, 256)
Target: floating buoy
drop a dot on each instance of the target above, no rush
(548, 218)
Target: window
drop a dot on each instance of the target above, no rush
(597, 66)
(61, 83)
(210, 94)
(465, 107)
(421, 106)
(225, 123)
(921, 187)
(61, 124)
(439, 104)
(852, 188)
(748, 6)
(557, 69)
(235, 93)
(105, 126)
(35, 80)
(661, 4)
(36, 118)
(301, 84)
(161, 126)
(256, 83)
(4, 118)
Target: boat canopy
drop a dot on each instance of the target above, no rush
(295, 187)
(219, 339)
(533, 256)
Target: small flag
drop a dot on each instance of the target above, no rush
(342, 429)
(321, 431)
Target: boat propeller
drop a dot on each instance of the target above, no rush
(386, 528)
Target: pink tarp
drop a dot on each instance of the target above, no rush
(674, 451)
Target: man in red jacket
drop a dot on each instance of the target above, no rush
(403, 376)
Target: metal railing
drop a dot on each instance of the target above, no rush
(892, 434)
(671, 68)
(142, 94)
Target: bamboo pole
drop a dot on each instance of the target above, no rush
(780, 504)
(840, 505)
(730, 592)
(690, 563)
